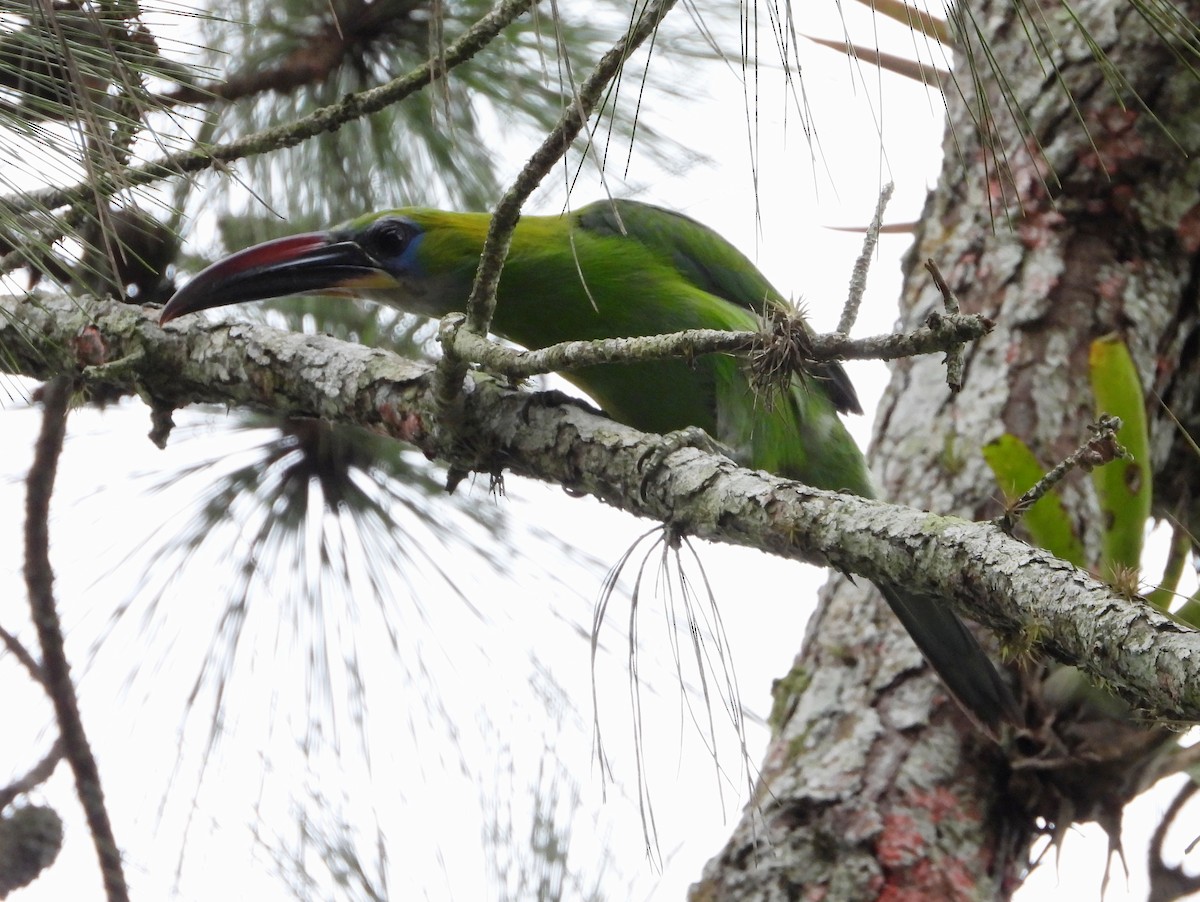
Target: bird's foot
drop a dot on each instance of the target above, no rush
(689, 437)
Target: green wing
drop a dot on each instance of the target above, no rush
(709, 262)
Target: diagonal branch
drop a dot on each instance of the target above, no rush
(56, 672)
(339, 36)
(1022, 592)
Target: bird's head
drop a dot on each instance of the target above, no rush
(380, 256)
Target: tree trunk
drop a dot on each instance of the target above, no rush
(1080, 219)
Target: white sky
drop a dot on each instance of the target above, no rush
(484, 665)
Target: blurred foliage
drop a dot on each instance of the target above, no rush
(445, 145)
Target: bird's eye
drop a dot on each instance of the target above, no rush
(389, 238)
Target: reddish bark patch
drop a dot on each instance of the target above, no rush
(90, 347)
(948, 880)
(1115, 140)
(942, 805)
(1039, 228)
(901, 842)
(405, 425)
(903, 850)
(1189, 230)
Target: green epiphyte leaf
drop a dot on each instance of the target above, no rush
(1123, 487)
(1016, 470)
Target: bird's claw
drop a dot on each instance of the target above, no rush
(688, 437)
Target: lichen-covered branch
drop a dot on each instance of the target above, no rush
(1031, 598)
(940, 333)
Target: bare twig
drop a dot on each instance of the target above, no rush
(955, 362)
(36, 776)
(1100, 449)
(1170, 881)
(39, 578)
(22, 654)
(948, 296)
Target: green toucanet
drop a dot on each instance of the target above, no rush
(610, 270)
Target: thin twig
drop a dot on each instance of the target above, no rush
(948, 296)
(36, 776)
(1170, 881)
(22, 654)
(1098, 450)
(944, 333)
(858, 276)
(955, 359)
(39, 578)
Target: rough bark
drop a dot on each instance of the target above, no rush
(117, 349)
(1082, 220)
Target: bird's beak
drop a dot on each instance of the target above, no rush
(314, 262)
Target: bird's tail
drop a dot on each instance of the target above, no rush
(957, 657)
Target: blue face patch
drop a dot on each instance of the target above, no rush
(393, 243)
(409, 263)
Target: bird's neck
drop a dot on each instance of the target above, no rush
(539, 286)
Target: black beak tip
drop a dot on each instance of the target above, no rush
(191, 298)
(167, 313)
